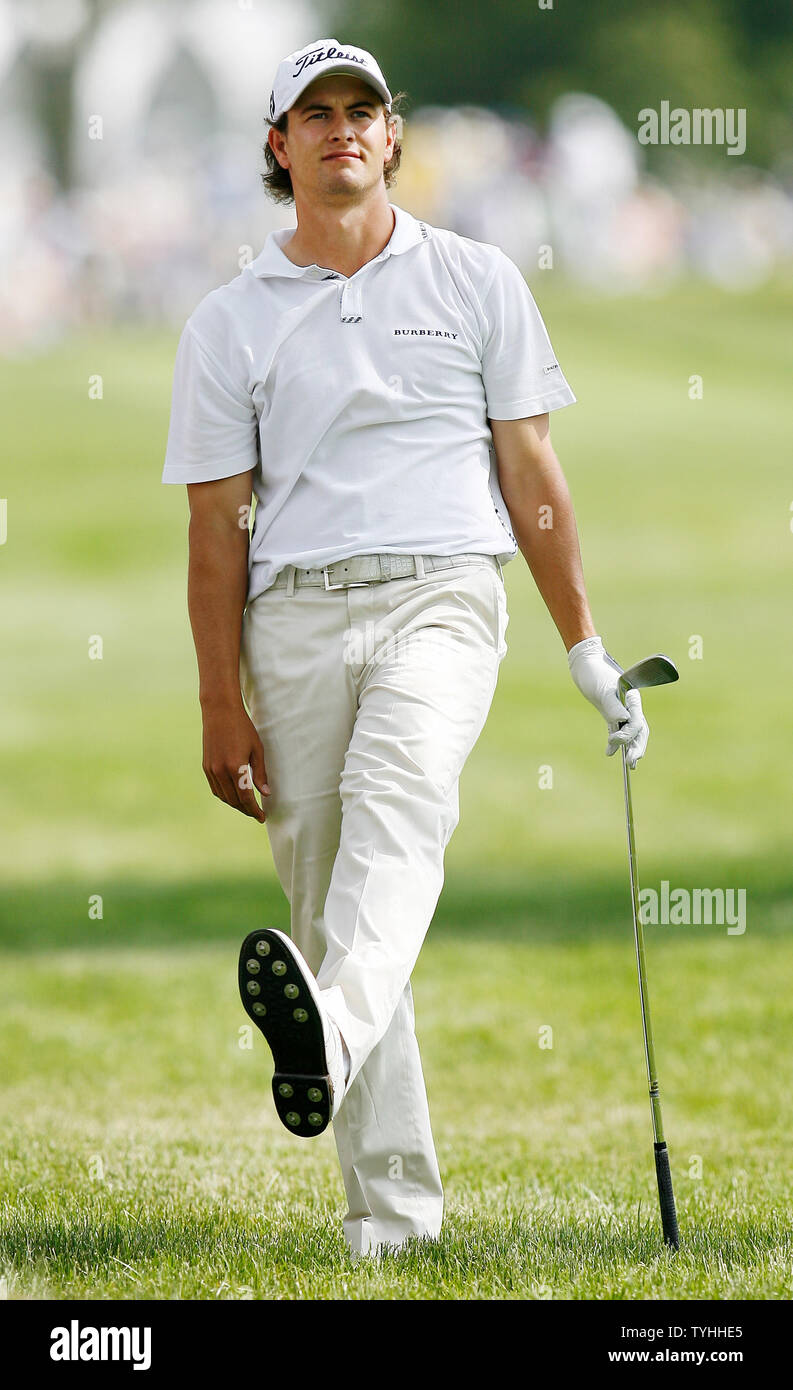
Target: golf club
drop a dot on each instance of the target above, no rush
(655, 670)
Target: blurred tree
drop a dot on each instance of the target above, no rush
(51, 75)
(631, 53)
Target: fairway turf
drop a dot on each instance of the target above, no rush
(141, 1153)
(146, 1160)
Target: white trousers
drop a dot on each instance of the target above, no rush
(368, 701)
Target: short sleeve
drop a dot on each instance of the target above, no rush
(520, 372)
(213, 430)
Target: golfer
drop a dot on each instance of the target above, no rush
(383, 388)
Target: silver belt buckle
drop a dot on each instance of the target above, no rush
(346, 584)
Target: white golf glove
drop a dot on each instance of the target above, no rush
(596, 674)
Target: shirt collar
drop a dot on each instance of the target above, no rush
(408, 231)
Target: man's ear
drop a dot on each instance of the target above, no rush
(274, 136)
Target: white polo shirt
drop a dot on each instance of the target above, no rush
(363, 402)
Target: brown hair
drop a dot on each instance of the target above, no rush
(278, 182)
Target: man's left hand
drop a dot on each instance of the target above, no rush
(597, 676)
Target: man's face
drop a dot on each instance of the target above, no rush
(336, 141)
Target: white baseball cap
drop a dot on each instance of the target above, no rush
(296, 72)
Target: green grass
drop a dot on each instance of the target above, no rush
(141, 1155)
(145, 1158)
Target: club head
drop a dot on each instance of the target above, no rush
(654, 670)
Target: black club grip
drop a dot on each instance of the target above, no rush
(666, 1196)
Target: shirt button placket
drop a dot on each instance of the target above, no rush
(350, 302)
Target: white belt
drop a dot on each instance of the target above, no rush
(375, 569)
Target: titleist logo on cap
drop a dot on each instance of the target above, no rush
(298, 70)
(319, 55)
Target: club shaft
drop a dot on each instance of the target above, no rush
(662, 1170)
(638, 934)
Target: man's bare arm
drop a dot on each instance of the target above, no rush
(531, 479)
(217, 586)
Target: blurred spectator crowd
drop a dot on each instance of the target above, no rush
(165, 200)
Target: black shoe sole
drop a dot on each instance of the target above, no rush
(292, 1027)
